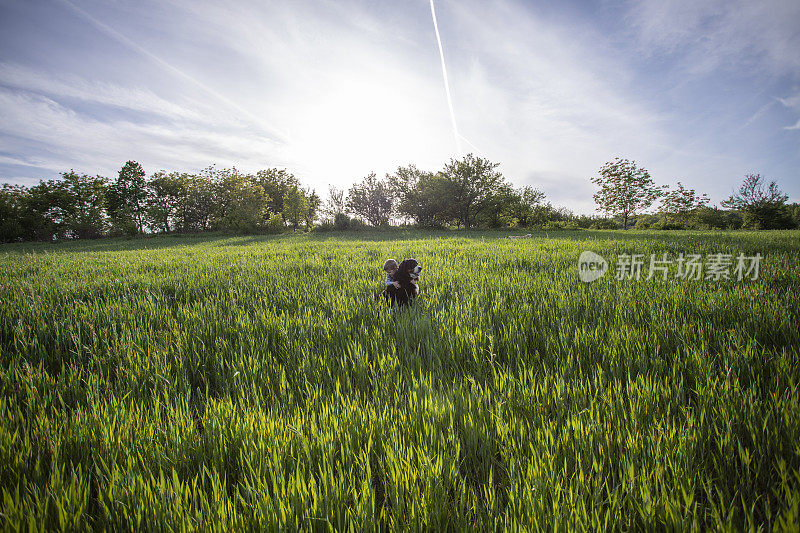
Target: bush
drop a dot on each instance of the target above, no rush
(605, 224)
(646, 221)
(123, 228)
(710, 218)
(560, 224)
(665, 224)
(324, 226)
(341, 221)
(274, 224)
(733, 220)
(585, 221)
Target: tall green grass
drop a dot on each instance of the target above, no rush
(249, 383)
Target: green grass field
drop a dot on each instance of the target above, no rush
(254, 382)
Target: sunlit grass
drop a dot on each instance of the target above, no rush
(256, 382)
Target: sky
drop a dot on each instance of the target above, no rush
(697, 92)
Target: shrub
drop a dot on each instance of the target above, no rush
(665, 224)
(341, 221)
(605, 224)
(274, 224)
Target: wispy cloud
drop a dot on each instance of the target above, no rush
(140, 99)
(169, 67)
(715, 34)
(334, 90)
(73, 140)
(793, 103)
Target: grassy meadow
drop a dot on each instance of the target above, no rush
(239, 383)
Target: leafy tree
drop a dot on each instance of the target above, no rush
(295, 206)
(314, 203)
(372, 200)
(763, 208)
(195, 206)
(13, 202)
(164, 199)
(46, 211)
(126, 199)
(335, 205)
(475, 183)
(523, 203)
(625, 189)
(200, 200)
(240, 201)
(419, 195)
(276, 183)
(709, 218)
(794, 208)
(85, 215)
(430, 203)
(500, 208)
(680, 203)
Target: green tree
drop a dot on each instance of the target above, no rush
(625, 189)
(523, 203)
(85, 207)
(500, 208)
(794, 208)
(198, 202)
(763, 208)
(164, 199)
(295, 206)
(372, 200)
(276, 183)
(679, 204)
(195, 203)
(46, 211)
(13, 202)
(314, 203)
(126, 199)
(335, 204)
(430, 202)
(240, 201)
(420, 196)
(709, 218)
(475, 184)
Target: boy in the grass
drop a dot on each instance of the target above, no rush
(390, 267)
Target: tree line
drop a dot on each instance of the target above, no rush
(80, 206)
(468, 193)
(626, 190)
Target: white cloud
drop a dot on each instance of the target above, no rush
(792, 103)
(546, 99)
(356, 86)
(715, 34)
(77, 141)
(71, 86)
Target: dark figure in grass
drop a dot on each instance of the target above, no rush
(401, 281)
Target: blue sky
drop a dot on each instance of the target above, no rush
(697, 92)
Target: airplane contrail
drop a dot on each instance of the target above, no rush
(446, 82)
(108, 30)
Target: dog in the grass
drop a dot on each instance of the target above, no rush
(401, 281)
